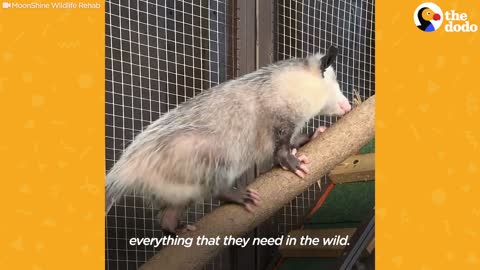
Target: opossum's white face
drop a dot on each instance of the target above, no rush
(337, 103)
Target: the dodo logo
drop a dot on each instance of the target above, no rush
(428, 17)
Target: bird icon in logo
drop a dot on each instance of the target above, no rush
(425, 15)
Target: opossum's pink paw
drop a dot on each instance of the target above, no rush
(249, 207)
(302, 169)
(185, 228)
(294, 163)
(303, 159)
(319, 131)
(251, 199)
(169, 223)
(248, 198)
(302, 172)
(253, 196)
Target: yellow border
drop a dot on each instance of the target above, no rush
(52, 139)
(428, 135)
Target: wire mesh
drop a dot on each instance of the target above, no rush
(158, 55)
(305, 27)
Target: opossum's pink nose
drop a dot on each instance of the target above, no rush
(345, 106)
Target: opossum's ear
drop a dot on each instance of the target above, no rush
(328, 59)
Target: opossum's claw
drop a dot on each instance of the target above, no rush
(318, 131)
(299, 166)
(304, 168)
(168, 220)
(248, 198)
(288, 160)
(300, 173)
(303, 159)
(170, 223)
(254, 194)
(249, 207)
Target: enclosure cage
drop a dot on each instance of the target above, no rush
(160, 53)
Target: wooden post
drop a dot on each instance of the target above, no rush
(277, 187)
(354, 169)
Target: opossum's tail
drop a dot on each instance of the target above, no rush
(113, 192)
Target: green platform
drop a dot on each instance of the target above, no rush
(346, 206)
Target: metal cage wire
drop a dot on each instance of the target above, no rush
(158, 54)
(306, 27)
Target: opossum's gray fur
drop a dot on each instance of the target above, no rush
(203, 145)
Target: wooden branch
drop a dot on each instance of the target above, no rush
(277, 187)
(354, 169)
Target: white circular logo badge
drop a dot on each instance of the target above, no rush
(428, 17)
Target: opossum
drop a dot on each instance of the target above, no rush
(199, 148)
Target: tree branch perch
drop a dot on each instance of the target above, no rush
(276, 187)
